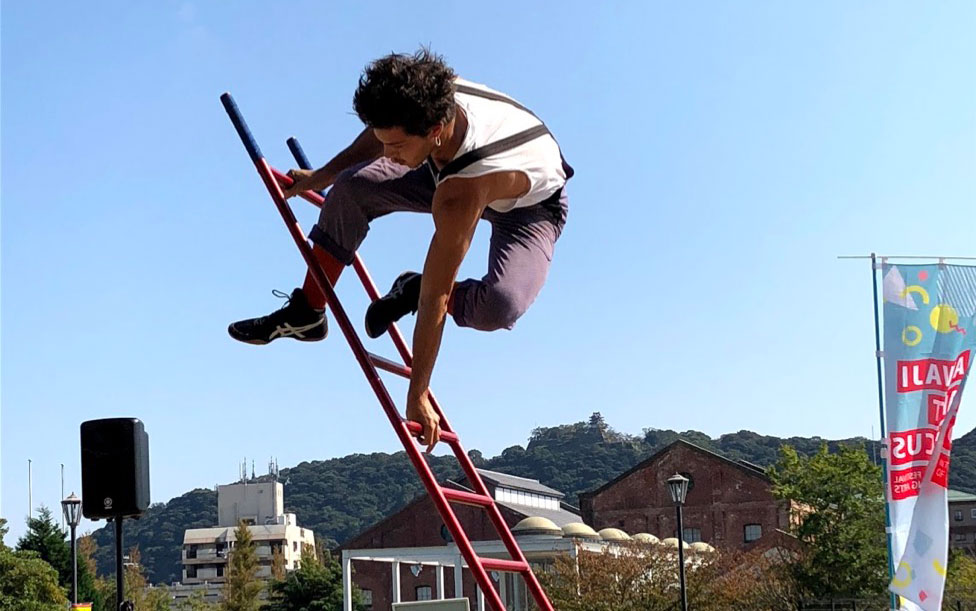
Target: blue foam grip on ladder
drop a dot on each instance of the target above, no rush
(238, 120)
(299, 154)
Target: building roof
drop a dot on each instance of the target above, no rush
(518, 483)
(560, 517)
(226, 533)
(201, 535)
(745, 466)
(958, 496)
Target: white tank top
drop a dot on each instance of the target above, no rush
(491, 120)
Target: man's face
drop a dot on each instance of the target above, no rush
(403, 148)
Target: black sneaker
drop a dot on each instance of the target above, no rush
(296, 320)
(402, 299)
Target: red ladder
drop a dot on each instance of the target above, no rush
(406, 430)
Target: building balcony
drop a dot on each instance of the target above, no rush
(189, 581)
(201, 559)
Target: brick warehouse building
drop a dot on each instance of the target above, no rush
(962, 521)
(729, 505)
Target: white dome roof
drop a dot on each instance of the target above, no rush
(701, 546)
(673, 542)
(537, 526)
(578, 530)
(646, 538)
(614, 534)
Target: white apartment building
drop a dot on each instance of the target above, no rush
(261, 507)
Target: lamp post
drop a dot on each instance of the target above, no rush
(71, 507)
(678, 485)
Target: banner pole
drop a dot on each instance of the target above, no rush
(884, 434)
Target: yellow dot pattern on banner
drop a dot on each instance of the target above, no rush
(901, 583)
(939, 568)
(915, 289)
(944, 318)
(915, 331)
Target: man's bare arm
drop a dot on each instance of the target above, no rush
(456, 212)
(364, 148)
(457, 207)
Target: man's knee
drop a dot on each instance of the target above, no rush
(498, 308)
(351, 188)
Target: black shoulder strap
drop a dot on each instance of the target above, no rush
(491, 95)
(490, 149)
(499, 146)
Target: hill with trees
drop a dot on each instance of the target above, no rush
(340, 497)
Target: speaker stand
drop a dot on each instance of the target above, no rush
(123, 605)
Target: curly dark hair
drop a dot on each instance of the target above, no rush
(412, 92)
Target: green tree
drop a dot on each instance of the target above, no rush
(277, 563)
(44, 537)
(316, 585)
(137, 588)
(644, 577)
(106, 591)
(960, 576)
(196, 602)
(47, 540)
(242, 588)
(839, 514)
(27, 583)
(102, 587)
(88, 586)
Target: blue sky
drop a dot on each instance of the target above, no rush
(726, 153)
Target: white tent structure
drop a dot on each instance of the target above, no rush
(538, 550)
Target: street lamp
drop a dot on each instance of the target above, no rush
(678, 486)
(71, 507)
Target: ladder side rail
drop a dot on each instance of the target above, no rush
(271, 182)
(501, 527)
(317, 199)
(504, 532)
(399, 342)
(474, 478)
(371, 290)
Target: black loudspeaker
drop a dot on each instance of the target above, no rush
(114, 468)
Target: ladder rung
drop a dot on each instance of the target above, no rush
(415, 429)
(388, 365)
(467, 498)
(508, 566)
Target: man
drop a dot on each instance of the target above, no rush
(438, 144)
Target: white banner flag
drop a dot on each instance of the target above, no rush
(929, 342)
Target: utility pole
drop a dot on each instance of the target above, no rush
(30, 492)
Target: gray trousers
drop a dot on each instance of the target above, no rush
(519, 254)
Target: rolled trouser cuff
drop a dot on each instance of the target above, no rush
(323, 240)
